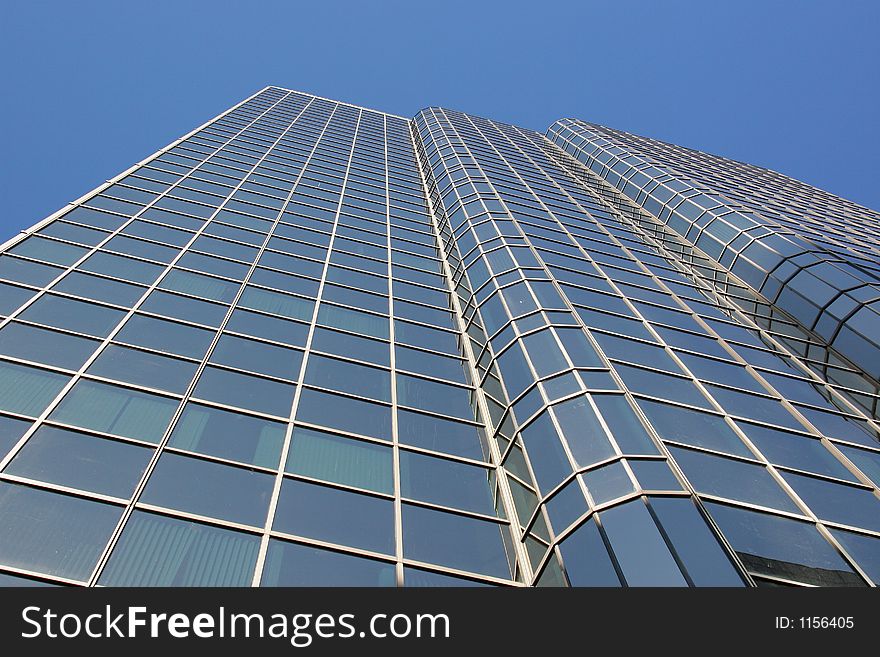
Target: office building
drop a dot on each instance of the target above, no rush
(315, 344)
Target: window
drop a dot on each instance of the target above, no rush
(11, 430)
(586, 558)
(258, 357)
(639, 547)
(791, 549)
(456, 541)
(583, 432)
(349, 377)
(693, 428)
(245, 391)
(55, 534)
(292, 564)
(433, 396)
(268, 327)
(440, 434)
(209, 489)
(661, 385)
(44, 346)
(795, 451)
(276, 303)
(28, 390)
(340, 460)
(546, 454)
(837, 502)
(160, 334)
(117, 410)
(345, 414)
(352, 346)
(445, 482)
(40, 248)
(199, 285)
(143, 368)
(180, 553)
(696, 545)
(100, 289)
(79, 460)
(25, 271)
(228, 435)
(79, 316)
(336, 516)
(185, 308)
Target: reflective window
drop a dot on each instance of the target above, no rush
(276, 303)
(11, 430)
(100, 289)
(795, 451)
(245, 391)
(751, 406)
(566, 506)
(625, 427)
(353, 320)
(268, 327)
(336, 516)
(229, 435)
(26, 271)
(439, 434)
(782, 547)
(353, 346)
(455, 541)
(349, 377)
(12, 296)
(257, 357)
(586, 559)
(636, 352)
(185, 308)
(54, 534)
(736, 480)
(180, 553)
(78, 460)
(292, 564)
(163, 335)
(704, 559)
(445, 482)
(837, 502)
(417, 577)
(608, 482)
(146, 369)
(118, 266)
(344, 413)
(583, 432)
(28, 390)
(432, 396)
(864, 549)
(693, 428)
(57, 253)
(546, 454)
(639, 547)
(340, 460)
(209, 489)
(199, 285)
(80, 316)
(661, 385)
(430, 364)
(544, 353)
(44, 346)
(112, 409)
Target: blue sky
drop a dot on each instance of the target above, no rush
(92, 87)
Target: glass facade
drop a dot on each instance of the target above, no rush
(315, 344)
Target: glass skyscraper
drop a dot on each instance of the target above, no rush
(315, 344)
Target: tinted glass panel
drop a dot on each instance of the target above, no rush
(291, 564)
(586, 559)
(51, 533)
(209, 489)
(340, 460)
(245, 391)
(156, 550)
(28, 390)
(112, 409)
(229, 435)
(146, 369)
(456, 541)
(257, 357)
(44, 346)
(168, 336)
(345, 414)
(80, 316)
(444, 482)
(337, 516)
(78, 460)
